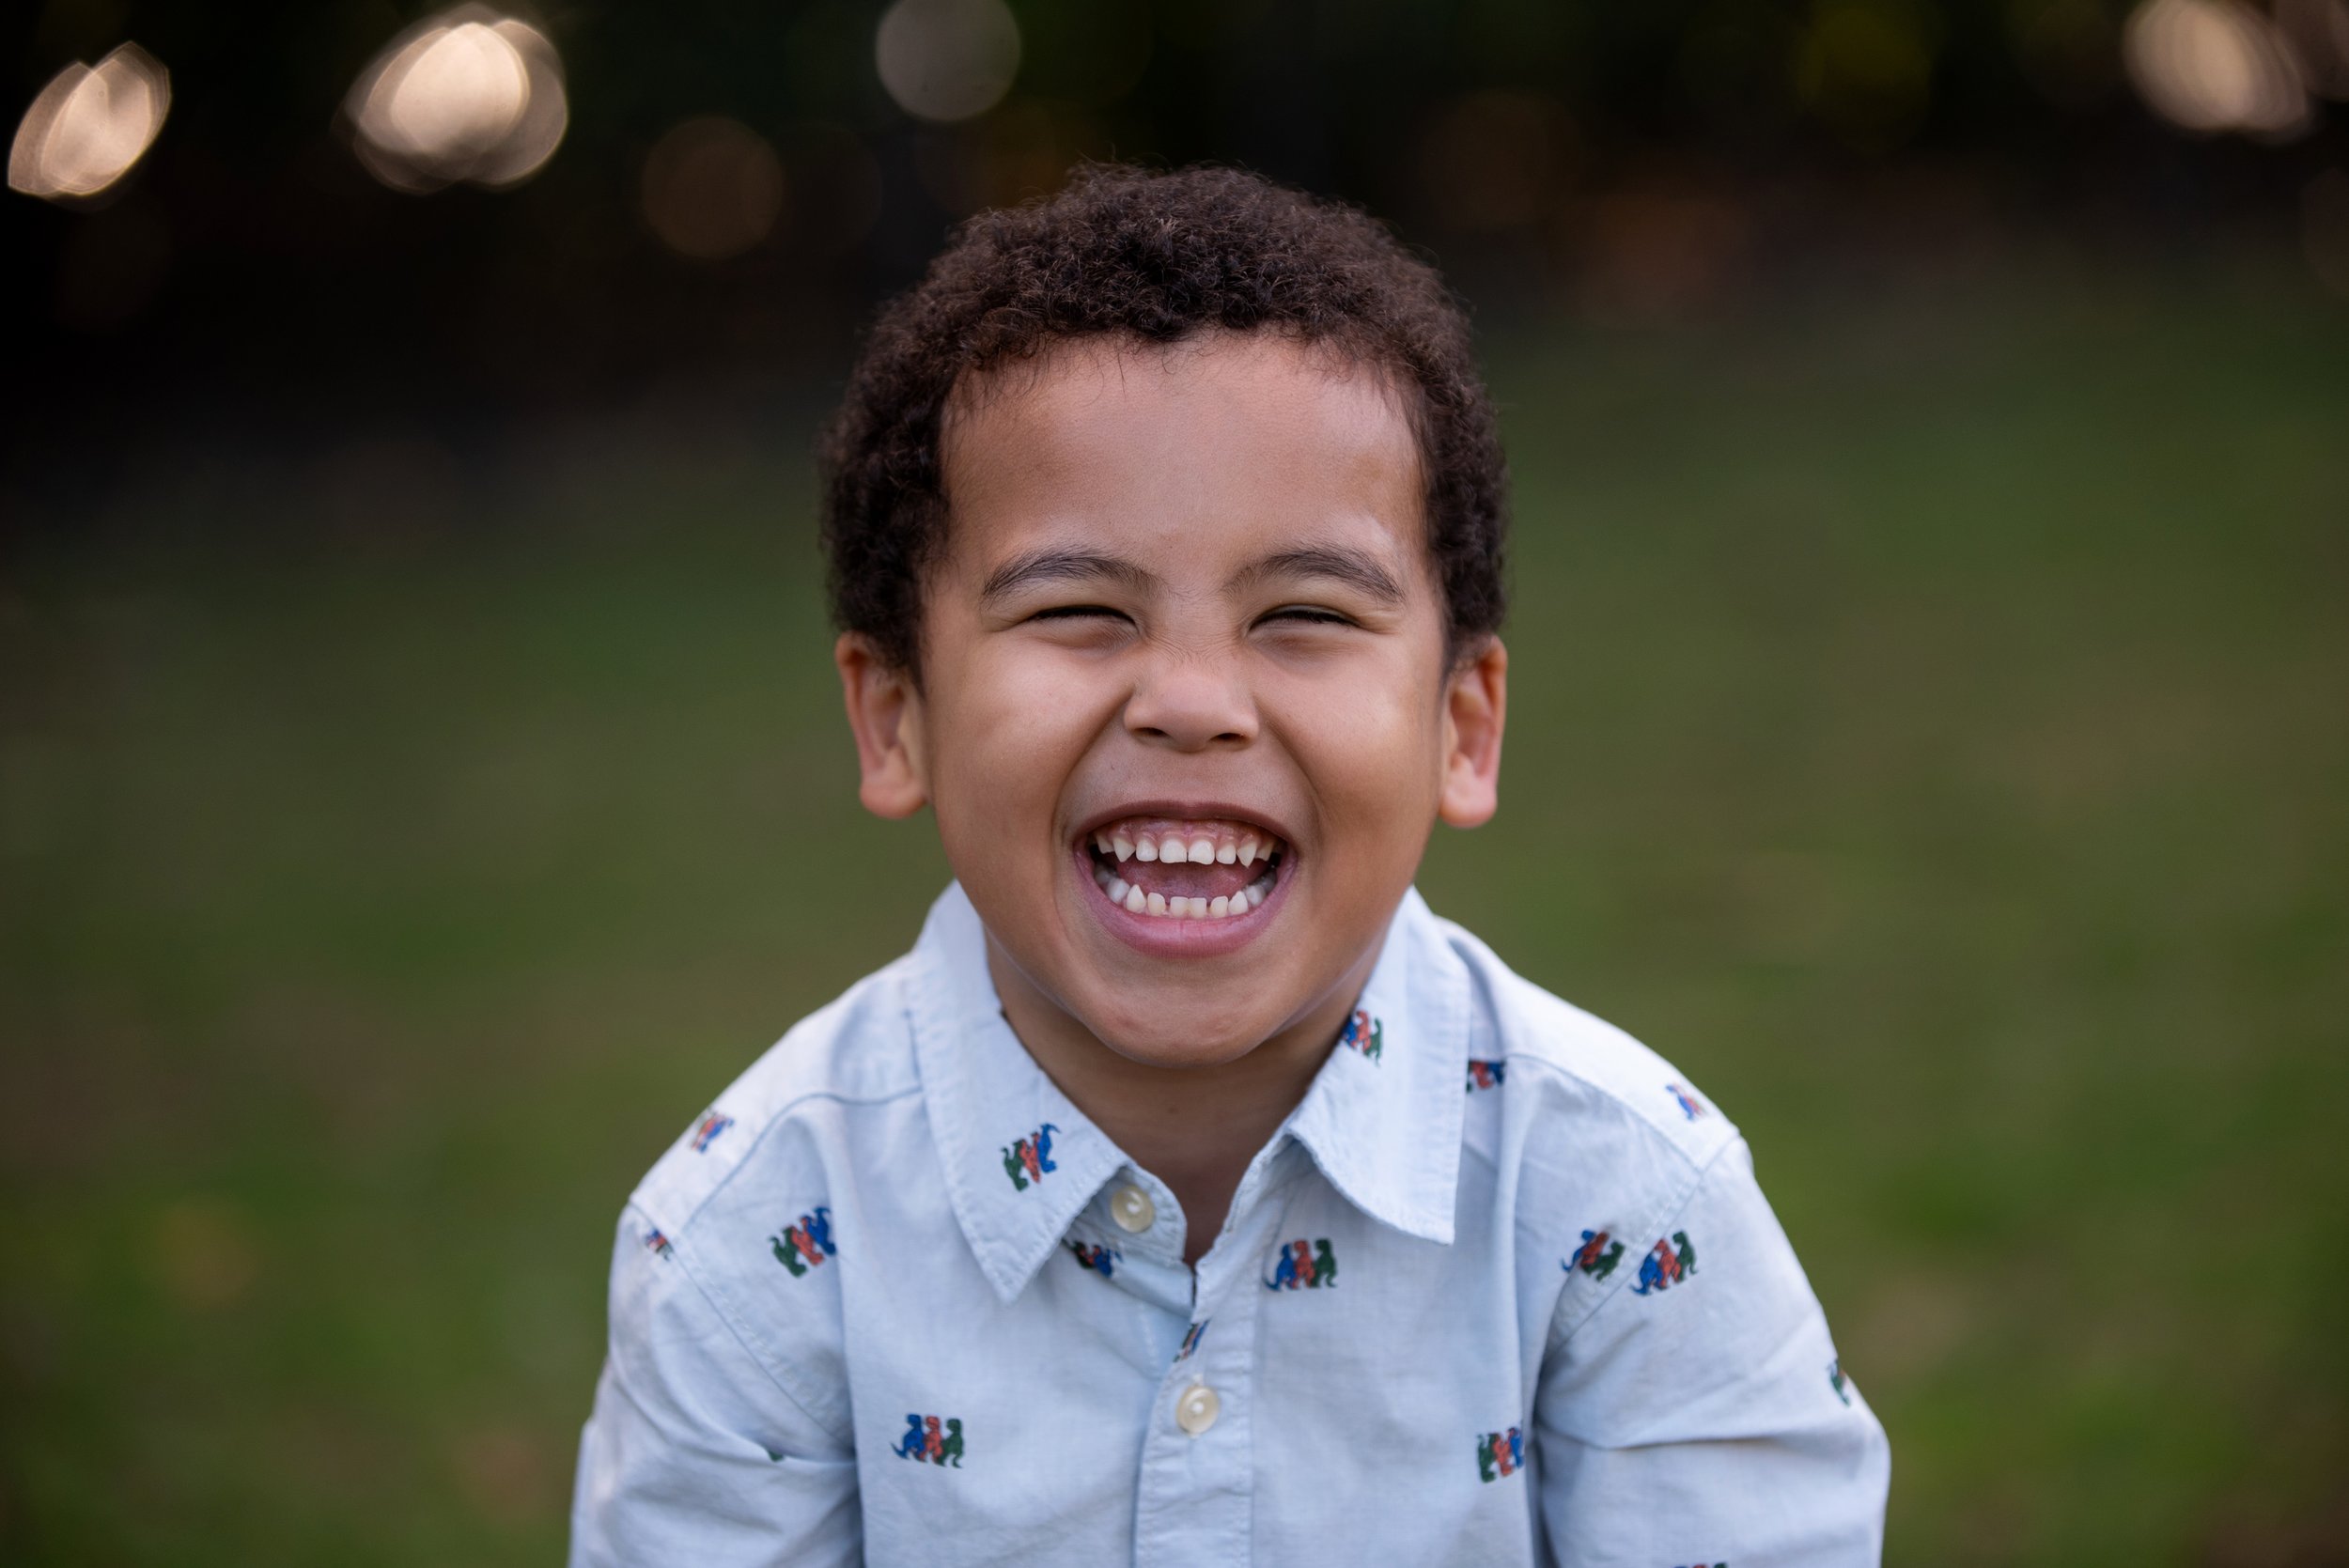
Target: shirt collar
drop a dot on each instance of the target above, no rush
(1382, 1118)
(1020, 1158)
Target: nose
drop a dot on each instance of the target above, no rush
(1191, 702)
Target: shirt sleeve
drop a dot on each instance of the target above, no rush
(1699, 1415)
(696, 1451)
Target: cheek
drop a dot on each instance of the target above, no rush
(1015, 725)
(1371, 747)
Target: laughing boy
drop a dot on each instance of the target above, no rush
(1191, 1193)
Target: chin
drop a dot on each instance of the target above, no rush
(1187, 1042)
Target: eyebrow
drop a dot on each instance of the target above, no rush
(1061, 565)
(1039, 566)
(1349, 567)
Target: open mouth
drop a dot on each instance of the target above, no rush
(1185, 870)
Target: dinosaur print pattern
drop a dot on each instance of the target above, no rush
(805, 1245)
(1029, 1160)
(1500, 1453)
(1303, 1265)
(1666, 1265)
(927, 1437)
(1596, 1257)
(1101, 1260)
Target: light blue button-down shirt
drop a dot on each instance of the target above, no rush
(1501, 1290)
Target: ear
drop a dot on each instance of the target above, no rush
(1476, 704)
(885, 712)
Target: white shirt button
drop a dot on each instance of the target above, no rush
(1133, 1210)
(1196, 1410)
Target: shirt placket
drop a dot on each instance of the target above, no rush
(1197, 1486)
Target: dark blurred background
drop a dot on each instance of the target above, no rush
(420, 786)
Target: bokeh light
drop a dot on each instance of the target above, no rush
(712, 189)
(90, 126)
(2318, 31)
(2211, 66)
(947, 60)
(468, 96)
(1495, 161)
(1865, 69)
(1658, 249)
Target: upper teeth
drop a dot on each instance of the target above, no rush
(1227, 846)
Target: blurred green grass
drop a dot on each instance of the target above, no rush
(1928, 731)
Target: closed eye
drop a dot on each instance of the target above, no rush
(1307, 615)
(1074, 611)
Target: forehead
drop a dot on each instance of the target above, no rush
(1211, 444)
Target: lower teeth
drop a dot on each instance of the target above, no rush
(1122, 893)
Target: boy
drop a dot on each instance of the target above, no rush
(1191, 1192)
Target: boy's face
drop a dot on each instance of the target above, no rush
(1186, 717)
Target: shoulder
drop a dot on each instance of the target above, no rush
(1580, 1073)
(1583, 1128)
(1596, 1144)
(750, 1198)
(854, 1052)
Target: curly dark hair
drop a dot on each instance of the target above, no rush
(1157, 257)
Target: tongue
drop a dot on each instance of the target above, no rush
(1190, 880)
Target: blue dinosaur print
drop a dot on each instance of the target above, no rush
(1284, 1272)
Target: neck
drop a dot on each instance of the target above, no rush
(1194, 1129)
